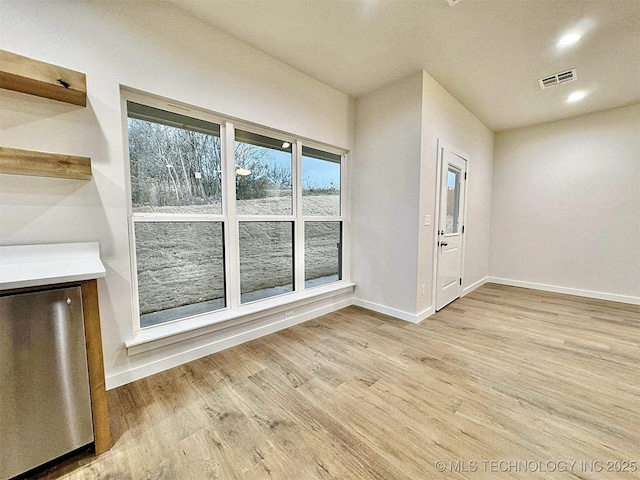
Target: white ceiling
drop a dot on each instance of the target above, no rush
(488, 54)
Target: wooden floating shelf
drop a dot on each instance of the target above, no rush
(26, 75)
(40, 164)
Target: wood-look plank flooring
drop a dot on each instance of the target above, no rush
(502, 375)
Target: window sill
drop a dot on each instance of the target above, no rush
(163, 335)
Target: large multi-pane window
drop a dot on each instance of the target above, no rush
(218, 225)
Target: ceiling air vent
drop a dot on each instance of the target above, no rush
(557, 79)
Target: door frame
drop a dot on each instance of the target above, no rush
(442, 146)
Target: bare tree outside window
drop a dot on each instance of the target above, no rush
(264, 173)
(174, 169)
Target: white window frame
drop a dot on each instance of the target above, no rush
(177, 330)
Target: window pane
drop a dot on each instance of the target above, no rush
(266, 259)
(263, 175)
(322, 253)
(320, 182)
(175, 162)
(453, 200)
(180, 269)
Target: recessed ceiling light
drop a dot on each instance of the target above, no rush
(243, 171)
(286, 144)
(569, 39)
(576, 96)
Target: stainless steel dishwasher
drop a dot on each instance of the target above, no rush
(45, 404)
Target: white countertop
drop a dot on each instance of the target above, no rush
(33, 265)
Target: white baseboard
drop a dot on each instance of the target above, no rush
(613, 297)
(394, 312)
(426, 313)
(225, 339)
(475, 285)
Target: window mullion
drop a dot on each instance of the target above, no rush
(299, 224)
(176, 217)
(232, 250)
(266, 218)
(134, 277)
(344, 214)
(323, 218)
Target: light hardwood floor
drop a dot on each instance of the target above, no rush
(502, 375)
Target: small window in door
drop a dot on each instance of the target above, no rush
(453, 201)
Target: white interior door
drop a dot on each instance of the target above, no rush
(453, 170)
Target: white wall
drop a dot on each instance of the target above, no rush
(566, 205)
(385, 188)
(397, 130)
(155, 48)
(445, 118)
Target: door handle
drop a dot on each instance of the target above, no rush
(443, 244)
